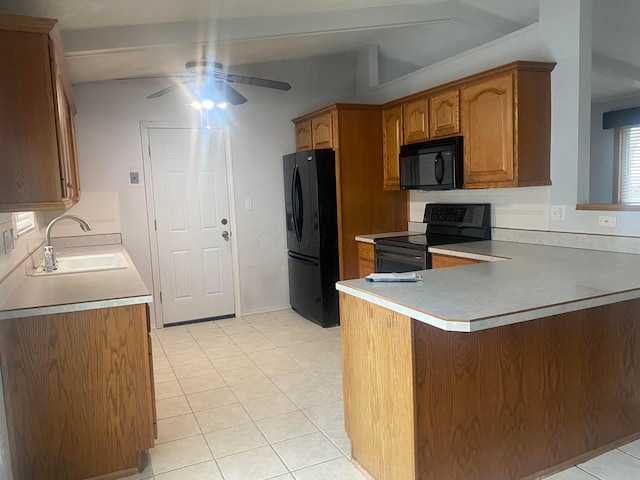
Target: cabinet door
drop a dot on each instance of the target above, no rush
(391, 141)
(322, 131)
(303, 136)
(487, 122)
(69, 179)
(416, 121)
(444, 116)
(365, 259)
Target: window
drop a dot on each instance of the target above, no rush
(627, 179)
(25, 222)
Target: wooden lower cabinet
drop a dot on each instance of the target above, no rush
(366, 262)
(78, 393)
(514, 402)
(439, 260)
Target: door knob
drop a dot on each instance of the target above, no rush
(225, 235)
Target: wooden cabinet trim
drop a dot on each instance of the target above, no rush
(476, 77)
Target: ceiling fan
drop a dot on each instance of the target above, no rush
(211, 82)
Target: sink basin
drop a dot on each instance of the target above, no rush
(85, 263)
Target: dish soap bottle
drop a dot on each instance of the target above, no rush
(48, 258)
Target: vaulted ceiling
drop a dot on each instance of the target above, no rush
(121, 38)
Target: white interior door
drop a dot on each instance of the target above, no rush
(192, 222)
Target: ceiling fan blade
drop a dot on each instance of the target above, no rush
(229, 93)
(159, 93)
(155, 76)
(258, 82)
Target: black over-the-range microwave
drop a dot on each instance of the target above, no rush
(432, 165)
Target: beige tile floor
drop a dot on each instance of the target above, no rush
(260, 397)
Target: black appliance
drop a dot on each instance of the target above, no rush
(432, 165)
(446, 223)
(312, 234)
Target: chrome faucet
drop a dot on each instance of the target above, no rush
(83, 225)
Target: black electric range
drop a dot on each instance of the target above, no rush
(447, 223)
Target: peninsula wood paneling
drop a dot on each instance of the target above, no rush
(515, 401)
(77, 389)
(378, 383)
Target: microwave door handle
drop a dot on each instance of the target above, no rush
(438, 168)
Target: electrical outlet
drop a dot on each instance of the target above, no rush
(134, 177)
(557, 212)
(607, 221)
(248, 204)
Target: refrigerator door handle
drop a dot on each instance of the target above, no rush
(293, 202)
(298, 213)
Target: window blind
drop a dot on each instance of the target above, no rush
(25, 221)
(630, 165)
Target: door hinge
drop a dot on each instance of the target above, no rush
(149, 148)
(160, 296)
(155, 224)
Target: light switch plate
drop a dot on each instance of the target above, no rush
(134, 178)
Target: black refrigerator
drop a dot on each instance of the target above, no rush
(312, 234)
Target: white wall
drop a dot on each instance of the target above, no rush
(562, 35)
(109, 147)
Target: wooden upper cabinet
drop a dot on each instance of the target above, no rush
(315, 132)
(444, 114)
(416, 120)
(506, 124)
(303, 136)
(487, 110)
(37, 137)
(391, 141)
(322, 131)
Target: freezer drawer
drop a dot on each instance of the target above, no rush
(312, 290)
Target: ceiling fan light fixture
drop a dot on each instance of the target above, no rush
(222, 105)
(196, 104)
(207, 104)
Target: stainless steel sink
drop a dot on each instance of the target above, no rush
(85, 263)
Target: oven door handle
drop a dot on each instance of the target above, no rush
(400, 258)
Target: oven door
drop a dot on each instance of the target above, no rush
(390, 259)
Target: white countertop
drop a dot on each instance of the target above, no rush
(529, 281)
(42, 295)
(371, 237)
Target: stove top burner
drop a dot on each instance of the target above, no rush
(447, 223)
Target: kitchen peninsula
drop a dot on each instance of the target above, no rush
(516, 367)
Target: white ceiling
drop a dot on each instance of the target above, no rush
(121, 38)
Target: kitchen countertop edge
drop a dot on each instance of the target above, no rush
(371, 237)
(77, 291)
(519, 262)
